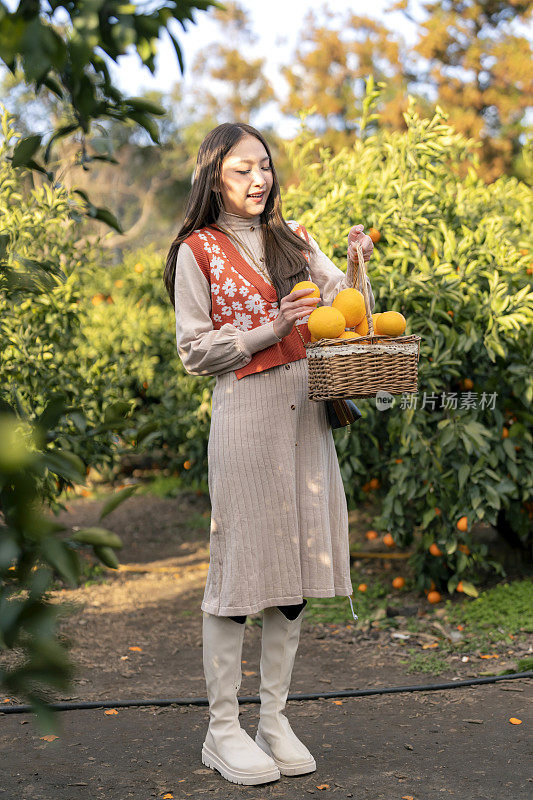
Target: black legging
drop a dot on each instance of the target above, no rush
(291, 612)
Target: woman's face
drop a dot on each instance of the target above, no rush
(246, 171)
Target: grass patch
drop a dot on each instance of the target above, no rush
(426, 663)
(504, 610)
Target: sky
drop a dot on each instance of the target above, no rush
(276, 23)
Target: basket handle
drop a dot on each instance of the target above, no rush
(359, 276)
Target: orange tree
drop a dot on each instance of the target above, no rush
(128, 335)
(54, 422)
(454, 256)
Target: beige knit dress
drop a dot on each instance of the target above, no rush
(279, 520)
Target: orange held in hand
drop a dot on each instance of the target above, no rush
(307, 285)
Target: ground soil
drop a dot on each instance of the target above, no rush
(421, 745)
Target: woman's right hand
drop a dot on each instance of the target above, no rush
(293, 306)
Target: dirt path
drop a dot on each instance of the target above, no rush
(425, 745)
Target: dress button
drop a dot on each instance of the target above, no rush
(293, 407)
(252, 228)
(287, 366)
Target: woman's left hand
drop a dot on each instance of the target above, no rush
(356, 235)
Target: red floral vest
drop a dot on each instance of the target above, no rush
(241, 296)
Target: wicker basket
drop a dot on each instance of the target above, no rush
(352, 368)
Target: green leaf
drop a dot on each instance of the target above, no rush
(25, 150)
(428, 516)
(107, 556)
(464, 471)
(116, 411)
(105, 215)
(142, 104)
(101, 537)
(62, 558)
(117, 499)
(470, 589)
(64, 463)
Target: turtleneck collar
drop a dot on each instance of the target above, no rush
(237, 223)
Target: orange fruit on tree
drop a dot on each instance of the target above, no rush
(460, 587)
(186, 465)
(97, 299)
(434, 597)
(351, 303)
(315, 290)
(138, 267)
(464, 549)
(390, 323)
(371, 535)
(362, 328)
(398, 582)
(119, 283)
(388, 540)
(462, 524)
(438, 512)
(362, 587)
(505, 433)
(374, 484)
(434, 549)
(450, 313)
(399, 461)
(468, 384)
(326, 323)
(374, 234)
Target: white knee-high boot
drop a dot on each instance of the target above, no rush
(227, 747)
(279, 643)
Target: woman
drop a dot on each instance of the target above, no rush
(279, 522)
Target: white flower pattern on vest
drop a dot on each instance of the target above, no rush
(228, 284)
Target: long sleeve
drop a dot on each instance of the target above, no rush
(202, 349)
(329, 278)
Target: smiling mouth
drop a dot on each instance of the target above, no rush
(260, 194)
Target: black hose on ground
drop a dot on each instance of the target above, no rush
(203, 701)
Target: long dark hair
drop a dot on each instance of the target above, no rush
(284, 249)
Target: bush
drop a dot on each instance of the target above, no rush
(454, 257)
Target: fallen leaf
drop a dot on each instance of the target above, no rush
(323, 786)
(515, 721)
(338, 702)
(429, 646)
(489, 656)
(248, 672)
(168, 796)
(111, 711)
(137, 649)
(49, 737)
